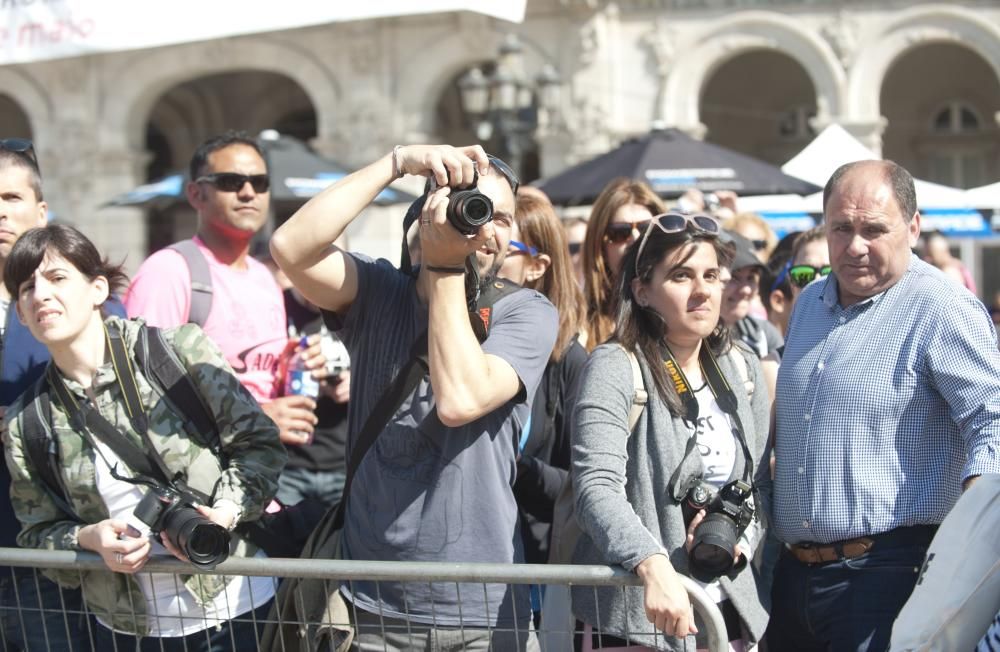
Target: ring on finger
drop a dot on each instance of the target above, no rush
(120, 558)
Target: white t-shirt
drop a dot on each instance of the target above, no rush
(717, 445)
(171, 609)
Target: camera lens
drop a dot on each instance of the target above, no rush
(202, 541)
(712, 550)
(468, 210)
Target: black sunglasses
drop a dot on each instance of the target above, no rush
(232, 182)
(619, 232)
(506, 172)
(21, 146)
(803, 275)
(759, 245)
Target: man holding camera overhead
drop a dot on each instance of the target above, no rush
(436, 485)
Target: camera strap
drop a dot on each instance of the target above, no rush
(146, 463)
(724, 395)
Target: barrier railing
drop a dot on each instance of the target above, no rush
(417, 573)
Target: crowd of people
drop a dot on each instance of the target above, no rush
(668, 388)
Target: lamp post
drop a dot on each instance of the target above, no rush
(508, 105)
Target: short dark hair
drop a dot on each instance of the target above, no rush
(67, 241)
(899, 180)
(200, 158)
(21, 160)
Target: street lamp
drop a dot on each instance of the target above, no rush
(506, 103)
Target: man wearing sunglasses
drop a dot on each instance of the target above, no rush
(230, 190)
(23, 591)
(436, 486)
(888, 404)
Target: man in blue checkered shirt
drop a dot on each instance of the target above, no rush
(888, 401)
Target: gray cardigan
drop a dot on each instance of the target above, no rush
(623, 504)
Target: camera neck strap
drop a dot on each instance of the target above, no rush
(724, 396)
(85, 418)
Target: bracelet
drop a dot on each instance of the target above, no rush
(444, 270)
(396, 172)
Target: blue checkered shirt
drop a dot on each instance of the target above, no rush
(883, 407)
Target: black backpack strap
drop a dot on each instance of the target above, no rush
(40, 446)
(201, 281)
(481, 316)
(402, 386)
(161, 365)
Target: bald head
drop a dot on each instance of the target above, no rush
(895, 177)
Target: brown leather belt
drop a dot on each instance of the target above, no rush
(824, 553)
(815, 553)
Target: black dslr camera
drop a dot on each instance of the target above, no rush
(728, 513)
(468, 209)
(169, 513)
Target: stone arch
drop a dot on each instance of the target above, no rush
(32, 99)
(914, 28)
(750, 31)
(161, 69)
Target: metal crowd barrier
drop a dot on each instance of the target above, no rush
(711, 621)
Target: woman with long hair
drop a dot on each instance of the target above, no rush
(678, 492)
(620, 215)
(118, 450)
(538, 258)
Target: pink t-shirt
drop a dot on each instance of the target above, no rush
(247, 320)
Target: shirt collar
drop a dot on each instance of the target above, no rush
(831, 296)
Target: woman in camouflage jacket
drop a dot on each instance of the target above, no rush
(59, 281)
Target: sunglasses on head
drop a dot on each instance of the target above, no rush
(20, 146)
(619, 232)
(803, 275)
(506, 172)
(233, 182)
(523, 248)
(759, 245)
(671, 223)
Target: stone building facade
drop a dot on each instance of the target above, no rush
(918, 81)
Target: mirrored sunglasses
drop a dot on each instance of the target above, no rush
(20, 146)
(803, 275)
(620, 232)
(522, 249)
(232, 182)
(671, 223)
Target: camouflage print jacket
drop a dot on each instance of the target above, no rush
(248, 476)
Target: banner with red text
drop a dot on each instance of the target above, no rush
(33, 30)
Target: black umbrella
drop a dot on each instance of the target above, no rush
(297, 173)
(671, 162)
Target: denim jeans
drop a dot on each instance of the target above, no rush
(37, 614)
(296, 484)
(845, 605)
(239, 634)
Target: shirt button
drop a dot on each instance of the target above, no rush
(841, 319)
(805, 524)
(820, 365)
(802, 470)
(806, 416)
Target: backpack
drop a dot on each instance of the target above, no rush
(280, 532)
(201, 281)
(565, 529)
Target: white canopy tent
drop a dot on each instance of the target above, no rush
(942, 208)
(985, 196)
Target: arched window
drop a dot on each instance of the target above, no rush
(955, 158)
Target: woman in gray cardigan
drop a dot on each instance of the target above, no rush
(630, 487)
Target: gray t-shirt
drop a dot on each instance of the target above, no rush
(425, 492)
